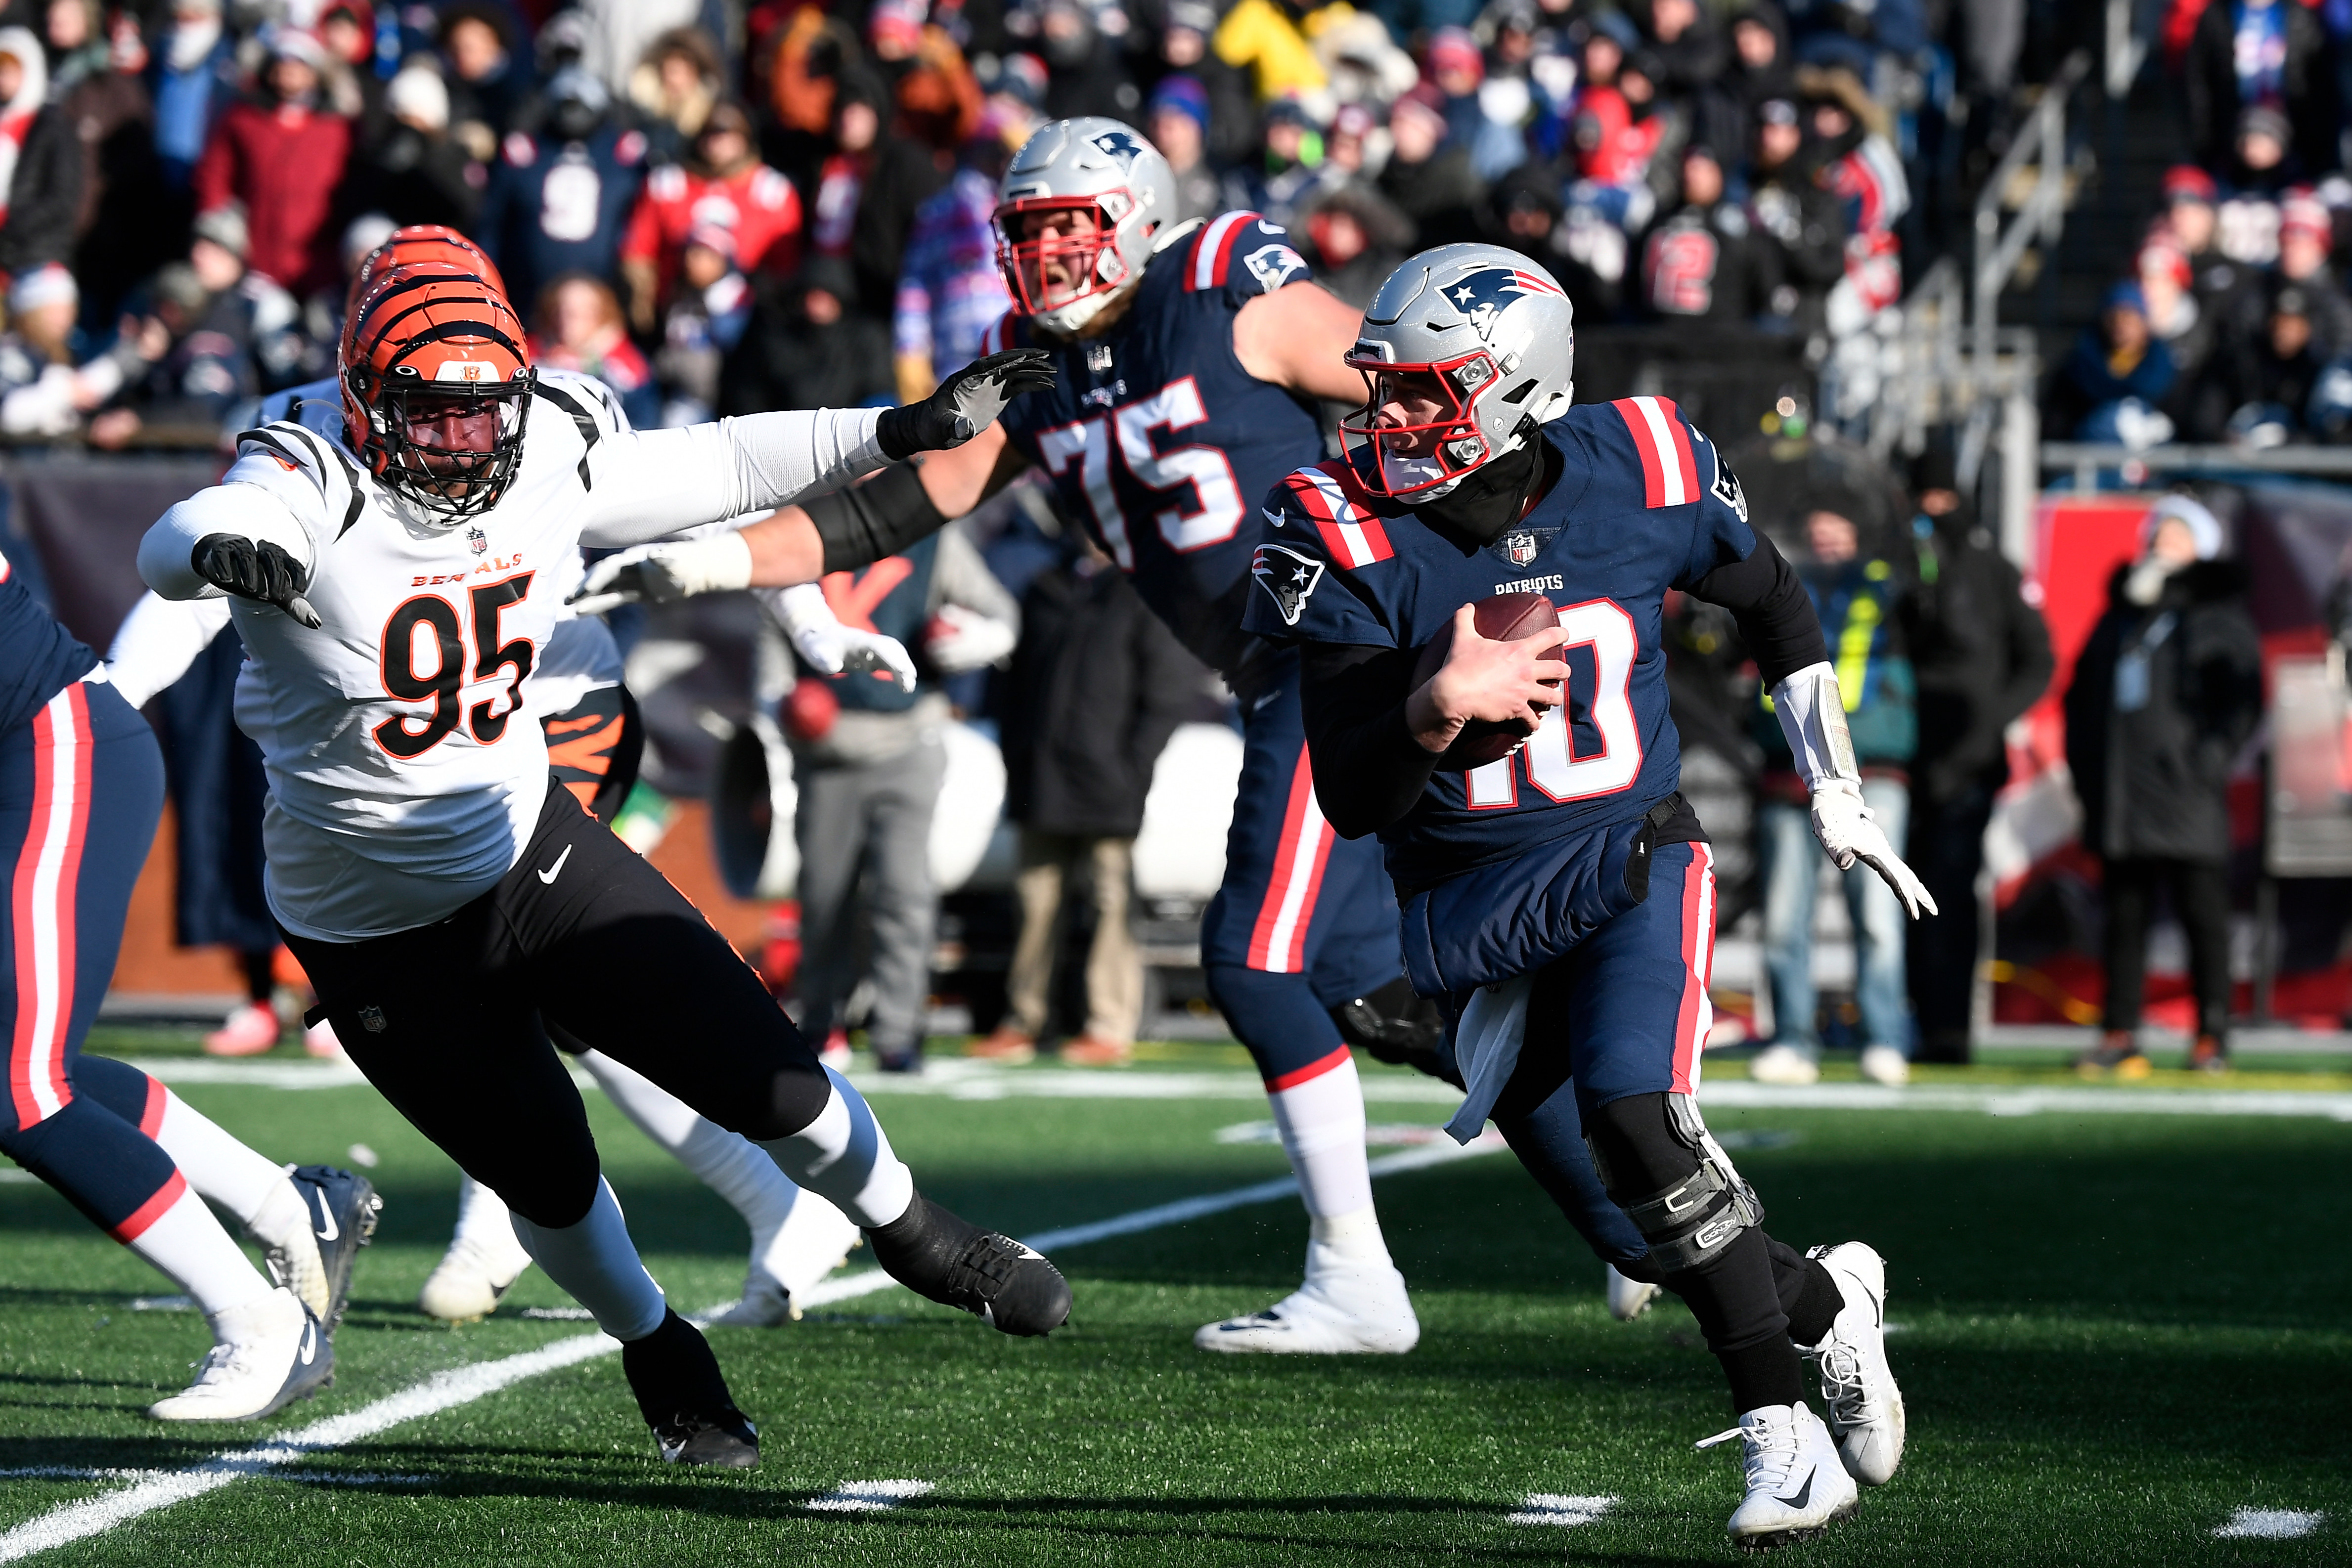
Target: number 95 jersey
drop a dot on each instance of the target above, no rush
(1643, 504)
(1157, 441)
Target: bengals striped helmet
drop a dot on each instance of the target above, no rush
(436, 384)
(423, 242)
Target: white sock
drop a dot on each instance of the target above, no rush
(844, 1157)
(276, 1315)
(187, 1243)
(595, 1261)
(806, 1247)
(483, 1219)
(1347, 1244)
(730, 1164)
(219, 1167)
(1322, 1126)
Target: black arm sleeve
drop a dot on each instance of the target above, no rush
(861, 524)
(1369, 769)
(1775, 615)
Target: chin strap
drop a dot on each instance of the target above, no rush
(1811, 711)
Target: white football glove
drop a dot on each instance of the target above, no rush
(1849, 832)
(834, 649)
(957, 640)
(665, 573)
(1812, 715)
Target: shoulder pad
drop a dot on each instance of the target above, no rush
(1210, 259)
(1336, 506)
(1661, 443)
(1004, 334)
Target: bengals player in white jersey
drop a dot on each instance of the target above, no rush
(392, 589)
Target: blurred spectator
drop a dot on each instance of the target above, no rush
(1354, 237)
(1429, 182)
(1290, 169)
(1264, 37)
(1359, 58)
(40, 161)
(2176, 318)
(2262, 381)
(1856, 594)
(1760, 70)
(557, 199)
(617, 35)
(1455, 66)
(194, 81)
(2259, 168)
(807, 345)
(2114, 383)
(2306, 233)
(1524, 211)
(1705, 261)
(708, 310)
(2166, 691)
(578, 327)
(1852, 138)
(476, 38)
(841, 178)
(1683, 38)
(1177, 122)
(42, 391)
(1799, 219)
(868, 762)
(2268, 54)
(417, 174)
(1981, 657)
(1097, 686)
(281, 157)
(937, 102)
(722, 184)
(1857, 33)
(675, 88)
(346, 31)
(1617, 133)
(1085, 73)
(227, 335)
(1229, 118)
(951, 291)
(94, 79)
(322, 312)
(804, 344)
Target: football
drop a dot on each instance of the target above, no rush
(1505, 617)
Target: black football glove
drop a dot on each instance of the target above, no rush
(260, 571)
(964, 404)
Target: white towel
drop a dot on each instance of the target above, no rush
(1487, 1049)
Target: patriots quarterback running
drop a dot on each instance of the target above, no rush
(1190, 359)
(394, 583)
(1559, 897)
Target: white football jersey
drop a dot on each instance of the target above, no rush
(401, 738)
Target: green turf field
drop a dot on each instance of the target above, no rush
(2115, 1332)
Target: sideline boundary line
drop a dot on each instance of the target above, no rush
(457, 1385)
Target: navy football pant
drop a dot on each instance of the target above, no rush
(81, 787)
(1304, 920)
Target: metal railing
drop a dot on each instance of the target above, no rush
(2087, 460)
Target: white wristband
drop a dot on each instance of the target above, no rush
(1812, 712)
(715, 565)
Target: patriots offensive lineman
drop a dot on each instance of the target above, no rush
(1190, 358)
(392, 589)
(1560, 900)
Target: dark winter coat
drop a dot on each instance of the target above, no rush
(1096, 687)
(2162, 699)
(2210, 78)
(785, 360)
(1981, 656)
(44, 196)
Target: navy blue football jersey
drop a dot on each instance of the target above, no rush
(1159, 442)
(1645, 502)
(39, 658)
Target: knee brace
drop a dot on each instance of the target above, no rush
(1697, 1216)
(1397, 1026)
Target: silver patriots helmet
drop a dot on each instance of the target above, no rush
(1460, 345)
(1117, 195)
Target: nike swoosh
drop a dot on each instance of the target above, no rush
(551, 872)
(1804, 1493)
(311, 1344)
(327, 1231)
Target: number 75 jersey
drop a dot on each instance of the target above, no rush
(1159, 444)
(1643, 503)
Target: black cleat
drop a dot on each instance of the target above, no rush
(684, 1398)
(343, 1209)
(956, 1264)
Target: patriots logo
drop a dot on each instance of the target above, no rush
(1273, 266)
(1120, 145)
(1483, 295)
(1288, 576)
(1727, 489)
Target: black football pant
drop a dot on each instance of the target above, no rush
(1947, 849)
(2201, 898)
(445, 1019)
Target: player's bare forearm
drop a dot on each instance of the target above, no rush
(785, 549)
(1298, 338)
(860, 525)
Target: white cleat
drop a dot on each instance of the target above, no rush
(1353, 1313)
(471, 1279)
(763, 1305)
(1786, 1066)
(1857, 1384)
(266, 1354)
(1884, 1064)
(814, 1239)
(1628, 1299)
(1796, 1486)
(289, 1247)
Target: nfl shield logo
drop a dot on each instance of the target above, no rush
(372, 1020)
(478, 539)
(1521, 547)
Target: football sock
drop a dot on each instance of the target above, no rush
(482, 1218)
(224, 1170)
(595, 1262)
(728, 1162)
(1322, 1126)
(1731, 1296)
(187, 1243)
(844, 1157)
(1809, 1293)
(1346, 1244)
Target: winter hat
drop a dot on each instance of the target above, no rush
(2203, 525)
(1453, 48)
(417, 94)
(2302, 212)
(2124, 295)
(225, 226)
(900, 19)
(297, 44)
(2263, 120)
(49, 285)
(1181, 95)
(715, 237)
(2187, 183)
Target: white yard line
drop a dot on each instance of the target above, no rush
(1561, 1512)
(867, 1497)
(463, 1385)
(2269, 1524)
